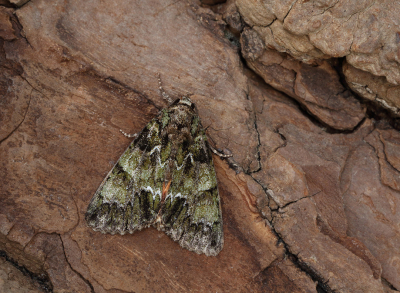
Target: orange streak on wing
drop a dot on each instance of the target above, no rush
(165, 189)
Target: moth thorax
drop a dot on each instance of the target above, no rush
(181, 116)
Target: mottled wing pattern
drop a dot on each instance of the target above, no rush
(191, 213)
(172, 150)
(130, 196)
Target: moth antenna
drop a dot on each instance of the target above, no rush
(128, 135)
(162, 91)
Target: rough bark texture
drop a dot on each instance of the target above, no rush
(367, 33)
(373, 88)
(310, 197)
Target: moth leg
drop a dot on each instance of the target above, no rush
(219, 154)
(128, 135)
(163, 93)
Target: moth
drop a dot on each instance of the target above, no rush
(165, 179)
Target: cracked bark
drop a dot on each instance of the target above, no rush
(75, 271)
(56, 159)
(20, 123)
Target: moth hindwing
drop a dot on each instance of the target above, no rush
(166, 178)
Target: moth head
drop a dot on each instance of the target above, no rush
(186, 101)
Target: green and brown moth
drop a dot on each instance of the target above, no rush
(166, 179)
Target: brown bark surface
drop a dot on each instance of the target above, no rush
(310, 197)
